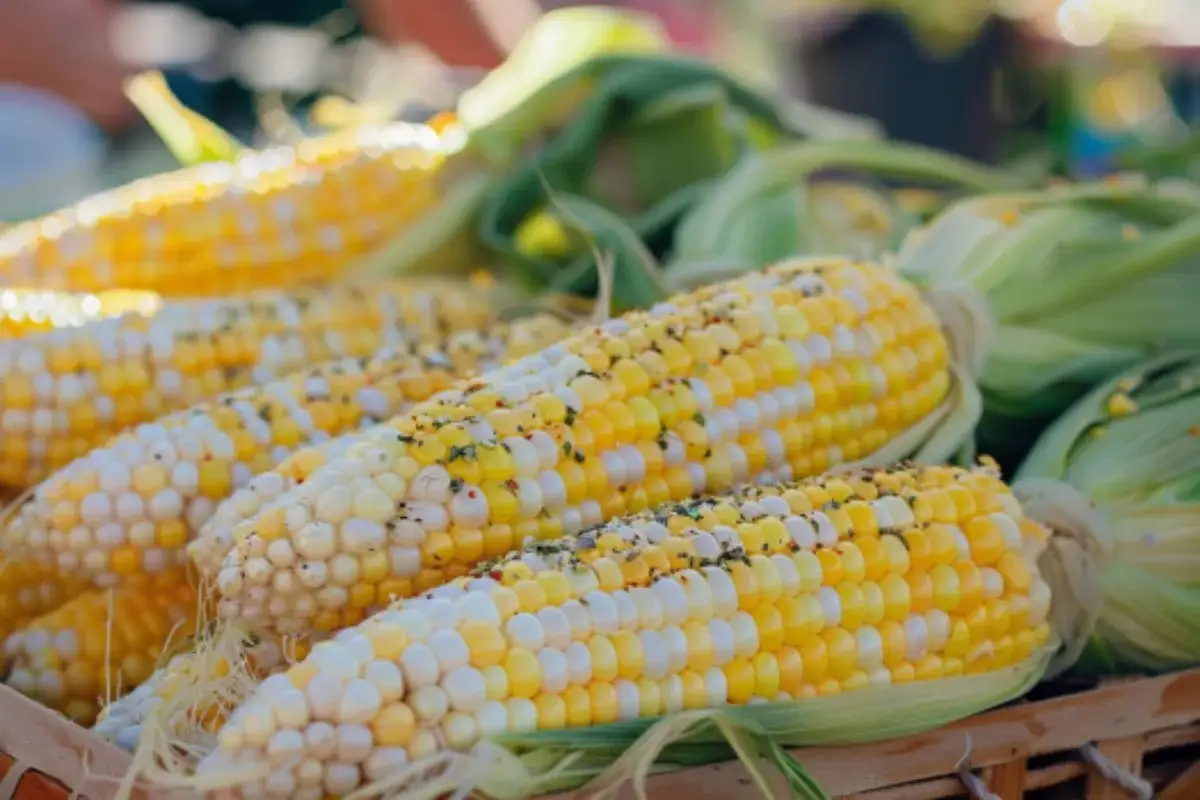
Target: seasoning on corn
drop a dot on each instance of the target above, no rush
(101, 644)
(24, 311)
(271, 219)
(29, 589)
(779, 374)
(782, 593)
(133, 505)
(66, 391)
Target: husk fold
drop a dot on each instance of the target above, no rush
(1132, 447)
(1083, 281)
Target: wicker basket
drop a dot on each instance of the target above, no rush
(1109, 742)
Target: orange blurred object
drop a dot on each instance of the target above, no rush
(451, 29)
(63, 47)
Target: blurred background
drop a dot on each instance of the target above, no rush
(1079, 84)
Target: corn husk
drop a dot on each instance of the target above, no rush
(1082, 281)
(653, 134)
(1132, 447)
(190, 137)
(771, 207)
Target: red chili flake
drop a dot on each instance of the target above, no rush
(495, 575)
(471, 494)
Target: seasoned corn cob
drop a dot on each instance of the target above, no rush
(776, 375)
(276, 218)
(63, 392)
(24, 311)
(101, 644)
(132, 505)
(813, 588)
(29, 589)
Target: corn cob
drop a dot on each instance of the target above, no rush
(801, 590)
(775, 375)
(29, 589)
(24, 311)
(219, 685)
(275, 218)
(66, 391)
(132, 505)
(101, 644)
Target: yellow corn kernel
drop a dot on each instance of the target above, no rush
(29, 589)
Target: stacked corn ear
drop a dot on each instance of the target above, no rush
(274, 218)
(779, 374)
(189, 699)
(68, 390)
(1132, 448)
(24, 311)
(101, 644)
(783, 593)
(191, 696)
(131, 506)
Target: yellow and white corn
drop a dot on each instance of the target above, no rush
(65, 391)
(280, 217)
(800, 590)
(132, 505)
(101, 645)
(25, 311)
(29, 588)
(780, 374)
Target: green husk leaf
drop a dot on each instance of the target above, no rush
(637, 280)
(1137, 458)
(550, 71)
(645, 144)
(190, 137)
(739, 221)
(1082, 280)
